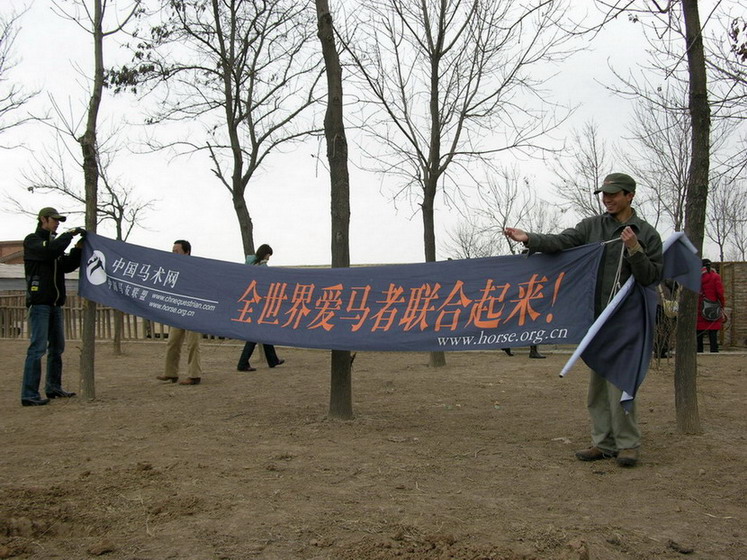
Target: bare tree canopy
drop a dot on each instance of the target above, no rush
(726, 219)
(506, 199)
(12, 96)
(448, 84)
(667, 71)
(659, 155)
(580, 169)
(240, 73)
(53, 171)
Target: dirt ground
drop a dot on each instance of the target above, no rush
(470, 461)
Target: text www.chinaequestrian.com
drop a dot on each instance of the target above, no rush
(179, 304)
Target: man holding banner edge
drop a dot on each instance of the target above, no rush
(632, 247)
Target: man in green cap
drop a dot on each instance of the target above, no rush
(45, 264)
(635, 249)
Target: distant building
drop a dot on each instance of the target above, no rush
(11, 252)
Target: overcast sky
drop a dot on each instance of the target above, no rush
(289, 202)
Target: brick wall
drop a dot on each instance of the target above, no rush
(734, 278)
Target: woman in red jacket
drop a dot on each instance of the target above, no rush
(710, 288)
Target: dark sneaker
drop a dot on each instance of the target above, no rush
(627, 457)
(594, 454)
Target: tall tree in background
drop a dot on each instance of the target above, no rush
(736, 247)
(725, 215)
(341, 392)
(506, 199)
(580, 171)
(449, 84)
(242, 73)
(659, 156)
(468, 239)
(659, 151)
(90, 14)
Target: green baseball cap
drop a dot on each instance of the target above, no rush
(616, 182)
(50, 212)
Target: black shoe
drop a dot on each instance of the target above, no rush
(247, 368)
(34, 401)
(508, 351)
(59, 393)
(279, 362)
(536, 355)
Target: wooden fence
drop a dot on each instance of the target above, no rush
(14, 320)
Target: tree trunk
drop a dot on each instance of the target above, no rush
(341, 393)
(91, 176)
(685, 380)
(435, 359)
(246, 226)
(431, 175)
(118, 327)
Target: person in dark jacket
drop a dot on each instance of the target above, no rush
(264, 252)
(633, 247)
(45, 264)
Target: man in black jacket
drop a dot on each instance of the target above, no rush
(45, 264)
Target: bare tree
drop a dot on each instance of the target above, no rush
(12, 96)
(240, 72)
(659, 156)
(50, 173)
(90, 16)
(116, 203)
(581, 169)
(470, 240)
(676, 39)
(341, 392)
(506, 199)
(737, 247)
(686, 368)
(660, 150)
(511, 199)
(725, 215)
(437, 77)
(725, 61)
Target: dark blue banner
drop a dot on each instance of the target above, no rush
(474, 304)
